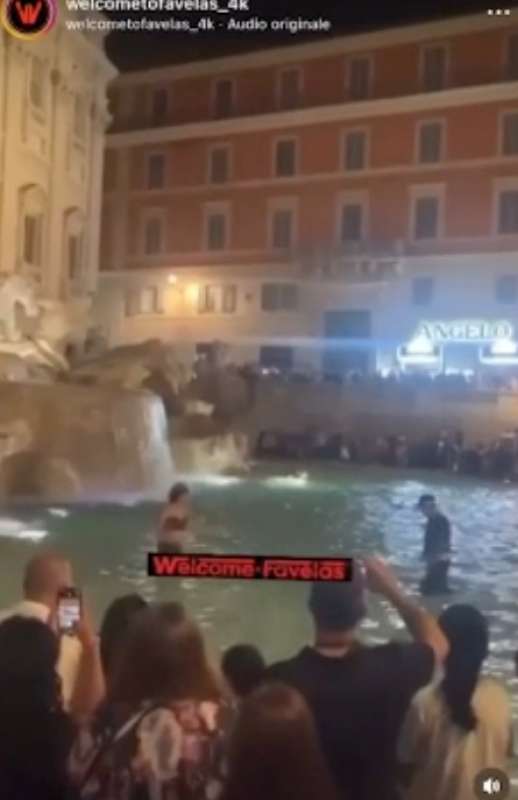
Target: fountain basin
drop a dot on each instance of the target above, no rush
(61, 441)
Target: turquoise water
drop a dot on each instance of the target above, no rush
(326, 511)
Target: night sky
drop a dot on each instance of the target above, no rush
(141, 50)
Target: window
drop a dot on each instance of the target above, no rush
(276, 357)
(434, 68)
(386, 269)
(219, 164)
(229, 302)
(278, 297)
(351, 222)
(75, 257)
(79, 124)
(37, 84)
(429, 142)
(143, 301)
(510, 134)
(149, 300)
(159, 106)
(217, 299)
(512, 57)
(422, 291)
(355, 150)
(216, 230)
(426, 217)
(290, 88)
(224, 98)
(359, 77)
(156, 171)
(207, 299)
(508, 211)
(507, 289)
(32, 242)
(153, 236)
(285, 158)
(282, 228)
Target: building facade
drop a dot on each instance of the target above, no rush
(53, 101)
(314, 205)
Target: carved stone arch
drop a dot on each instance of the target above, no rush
(33, 197)
(74, 220)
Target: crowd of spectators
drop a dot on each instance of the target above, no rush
(148, 715)
(447, 451)
(454, 381)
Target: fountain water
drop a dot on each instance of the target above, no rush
(68, 442)
(64, 441)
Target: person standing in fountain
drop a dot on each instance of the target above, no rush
(173, 533)
(437, 547)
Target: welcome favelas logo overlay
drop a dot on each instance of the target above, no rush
(28, 19)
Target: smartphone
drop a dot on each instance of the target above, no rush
(69, 610)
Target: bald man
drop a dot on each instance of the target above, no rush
(79, 664)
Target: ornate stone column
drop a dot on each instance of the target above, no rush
(100, 120)
(12, 74)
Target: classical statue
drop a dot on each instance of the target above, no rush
(16, 290)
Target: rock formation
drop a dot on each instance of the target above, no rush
(97, 426)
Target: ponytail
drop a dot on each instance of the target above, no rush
(458, 689)
(467, 633)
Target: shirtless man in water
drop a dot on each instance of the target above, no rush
(173, 534)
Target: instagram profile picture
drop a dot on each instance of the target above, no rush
(28, 19)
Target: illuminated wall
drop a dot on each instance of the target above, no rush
(53, 117)
(397, 173)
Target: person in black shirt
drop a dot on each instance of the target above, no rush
(437, 547)
(358, 694)
(36, 734)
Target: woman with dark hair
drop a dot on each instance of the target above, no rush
(35, 732)
(274, 753)
(173, 533)
(114, 628)
(161, 732)
(461, 724)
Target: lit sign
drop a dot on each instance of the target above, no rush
(466, 330)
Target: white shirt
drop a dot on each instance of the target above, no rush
(69, 650)
(446, 758)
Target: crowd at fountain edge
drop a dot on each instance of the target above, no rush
(448, 451)
(139, 711)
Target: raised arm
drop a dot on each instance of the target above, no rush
(89, 688)
(422, 625)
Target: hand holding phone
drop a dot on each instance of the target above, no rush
(69, 610)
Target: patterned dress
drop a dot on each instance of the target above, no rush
(173, 753)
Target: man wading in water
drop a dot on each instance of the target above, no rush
(437, 547)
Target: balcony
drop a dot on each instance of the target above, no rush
(372, 262)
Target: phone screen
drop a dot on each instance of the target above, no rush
(69, 610)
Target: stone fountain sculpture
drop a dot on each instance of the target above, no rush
(60, 441)
(20, 345)
(15, 290)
